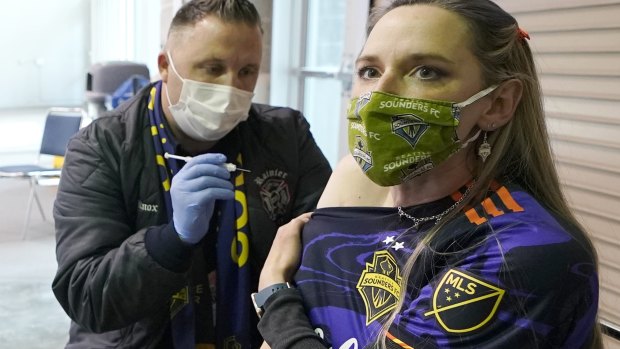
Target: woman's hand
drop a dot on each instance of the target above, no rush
(285, 254)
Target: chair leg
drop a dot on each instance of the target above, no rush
(31, 197)
(36, 198)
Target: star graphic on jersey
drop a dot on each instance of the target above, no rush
(397, 246)
(388, 240)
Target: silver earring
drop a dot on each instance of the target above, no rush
(485, 148)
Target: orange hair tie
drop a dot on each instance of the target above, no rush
(523, 34)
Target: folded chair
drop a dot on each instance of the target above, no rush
(60, 125)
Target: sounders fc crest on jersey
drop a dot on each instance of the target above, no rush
(464, 303)
(379, 285)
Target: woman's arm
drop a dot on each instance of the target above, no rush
(284, 323)
(349, 186)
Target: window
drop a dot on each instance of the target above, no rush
(314, 74)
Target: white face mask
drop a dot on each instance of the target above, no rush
(207, 112)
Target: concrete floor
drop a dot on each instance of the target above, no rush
(30, 315)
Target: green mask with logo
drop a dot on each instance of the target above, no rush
(394, 138)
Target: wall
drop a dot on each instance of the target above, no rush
(125, 30)
(577, 46)
(44, 52)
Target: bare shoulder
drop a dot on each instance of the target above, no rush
(348, 186)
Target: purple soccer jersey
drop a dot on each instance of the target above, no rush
(503, 274)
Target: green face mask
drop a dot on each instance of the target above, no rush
(394, 139)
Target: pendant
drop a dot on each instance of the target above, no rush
(484, 151)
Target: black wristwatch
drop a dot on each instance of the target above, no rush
(259, 298)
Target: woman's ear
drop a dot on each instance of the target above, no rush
(503, 105)
(162, 64)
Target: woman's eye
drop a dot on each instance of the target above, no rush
(427, 73)
(368, 73)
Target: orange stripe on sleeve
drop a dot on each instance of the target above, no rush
(473, 216)
(508, 200)
(490, 208)
(398, 341)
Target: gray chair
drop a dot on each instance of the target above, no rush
(60, 125)
(104, 78)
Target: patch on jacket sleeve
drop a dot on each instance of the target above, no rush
(274, 192)
(464, 303)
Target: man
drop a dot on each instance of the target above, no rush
(154, 252)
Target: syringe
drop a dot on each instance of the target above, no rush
(228, 166)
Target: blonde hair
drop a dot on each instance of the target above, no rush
(521, 151)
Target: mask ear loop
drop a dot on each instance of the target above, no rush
(172, 66)
(176, 72)
(456, 107)
(476, 97)
(471, 139)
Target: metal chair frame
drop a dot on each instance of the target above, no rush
(60, 125)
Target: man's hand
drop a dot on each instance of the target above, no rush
(194, 191)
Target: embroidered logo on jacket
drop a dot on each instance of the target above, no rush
(179, 300)
(274, 193)
(463, 303)
(379, 285)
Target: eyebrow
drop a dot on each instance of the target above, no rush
(215, 60)
(411, 58)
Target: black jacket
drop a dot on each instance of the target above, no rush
(119, 259)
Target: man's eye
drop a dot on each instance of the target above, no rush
(368, 73)
(213, 70)
(248, 72)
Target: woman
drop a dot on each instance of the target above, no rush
(472, 245)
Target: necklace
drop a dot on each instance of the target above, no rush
(437, 217)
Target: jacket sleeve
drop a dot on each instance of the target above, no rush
(285, 324)
(106, 279)
(314, 170)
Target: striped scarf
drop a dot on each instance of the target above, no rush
(193, 309)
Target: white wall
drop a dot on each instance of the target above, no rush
(126, 30)
(576, 44)
(44, 52)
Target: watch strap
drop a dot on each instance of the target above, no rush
(259, 298)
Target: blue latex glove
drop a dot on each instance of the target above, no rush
(194, 191)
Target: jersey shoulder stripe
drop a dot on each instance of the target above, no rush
(498, 204)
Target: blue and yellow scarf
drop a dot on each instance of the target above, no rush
(195, 313)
